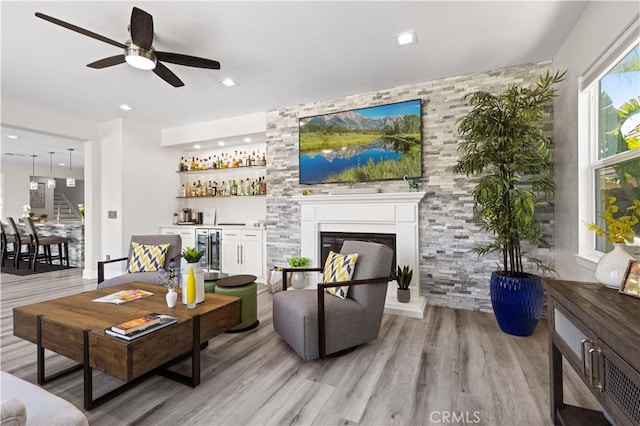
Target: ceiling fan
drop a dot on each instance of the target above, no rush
(139, 51)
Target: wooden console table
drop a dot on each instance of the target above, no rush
(597, 330)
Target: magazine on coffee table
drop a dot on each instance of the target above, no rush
(123, 296)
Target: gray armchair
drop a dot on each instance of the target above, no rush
(316, 324)
(175, 248)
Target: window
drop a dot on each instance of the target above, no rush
(614, 134)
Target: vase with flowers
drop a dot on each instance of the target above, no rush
(618, 230)
(169, 279)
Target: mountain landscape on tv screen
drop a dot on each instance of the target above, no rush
(377, 143)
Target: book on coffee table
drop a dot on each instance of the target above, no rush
(136, 324)
(163, 321)
(123, 296)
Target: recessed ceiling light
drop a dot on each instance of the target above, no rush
(406, 38)
(197, 147)
(221, 143)
(12, 137)
(126, 107)
(229, 82)
(247, 140)
(61, 164)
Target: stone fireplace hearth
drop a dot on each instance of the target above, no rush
(378, 213)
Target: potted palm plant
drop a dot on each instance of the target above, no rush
(506, 150)
(403, 276)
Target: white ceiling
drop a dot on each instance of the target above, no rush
(280, 53)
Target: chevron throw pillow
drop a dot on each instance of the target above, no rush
(147, 258)
(339, 267)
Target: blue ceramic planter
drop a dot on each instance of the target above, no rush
(517, 303)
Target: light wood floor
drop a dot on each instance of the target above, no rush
(416, 372)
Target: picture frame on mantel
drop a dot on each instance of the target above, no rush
(631, 281)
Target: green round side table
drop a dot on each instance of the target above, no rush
(244, 287)
(210, 279)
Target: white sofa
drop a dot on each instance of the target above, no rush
(23, 403)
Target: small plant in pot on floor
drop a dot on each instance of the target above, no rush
(403, 276)
(506, 150)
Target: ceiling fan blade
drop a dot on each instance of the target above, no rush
(107, 62)
(80, 30)
(190, 61)
(141, 28)
(168, 76)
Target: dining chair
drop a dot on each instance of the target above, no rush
(20, 240)
(6, 239)
(46, 242)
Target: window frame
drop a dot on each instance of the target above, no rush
(588, 152)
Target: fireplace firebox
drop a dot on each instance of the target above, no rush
(332, 241)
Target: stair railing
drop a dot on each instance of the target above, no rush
(71, 207)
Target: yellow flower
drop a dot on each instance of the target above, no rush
(618, 230)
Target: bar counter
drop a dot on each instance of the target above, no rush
(72, 230)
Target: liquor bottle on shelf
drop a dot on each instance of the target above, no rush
(264, 159)
(263, 187)
(183, 191)
(234, 188)
(248, 160)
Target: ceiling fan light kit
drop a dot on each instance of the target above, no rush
(139, 51)
(140, 58)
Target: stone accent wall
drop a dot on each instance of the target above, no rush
(450, 274)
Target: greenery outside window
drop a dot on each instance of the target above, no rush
(614, 105)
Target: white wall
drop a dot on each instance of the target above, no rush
(150, 184)
(215, 129)
(110, 193)
(598, 27)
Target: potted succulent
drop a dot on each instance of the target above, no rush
(192, 256)
(403, 276)
(298, 279)
(506, 150)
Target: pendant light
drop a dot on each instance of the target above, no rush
(33, 185)
(51, 183)
(71, 182)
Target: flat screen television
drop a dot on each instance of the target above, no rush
(360, 145)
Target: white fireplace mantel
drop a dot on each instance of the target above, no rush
(389, 213)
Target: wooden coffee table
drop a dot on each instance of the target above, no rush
(74, 326)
